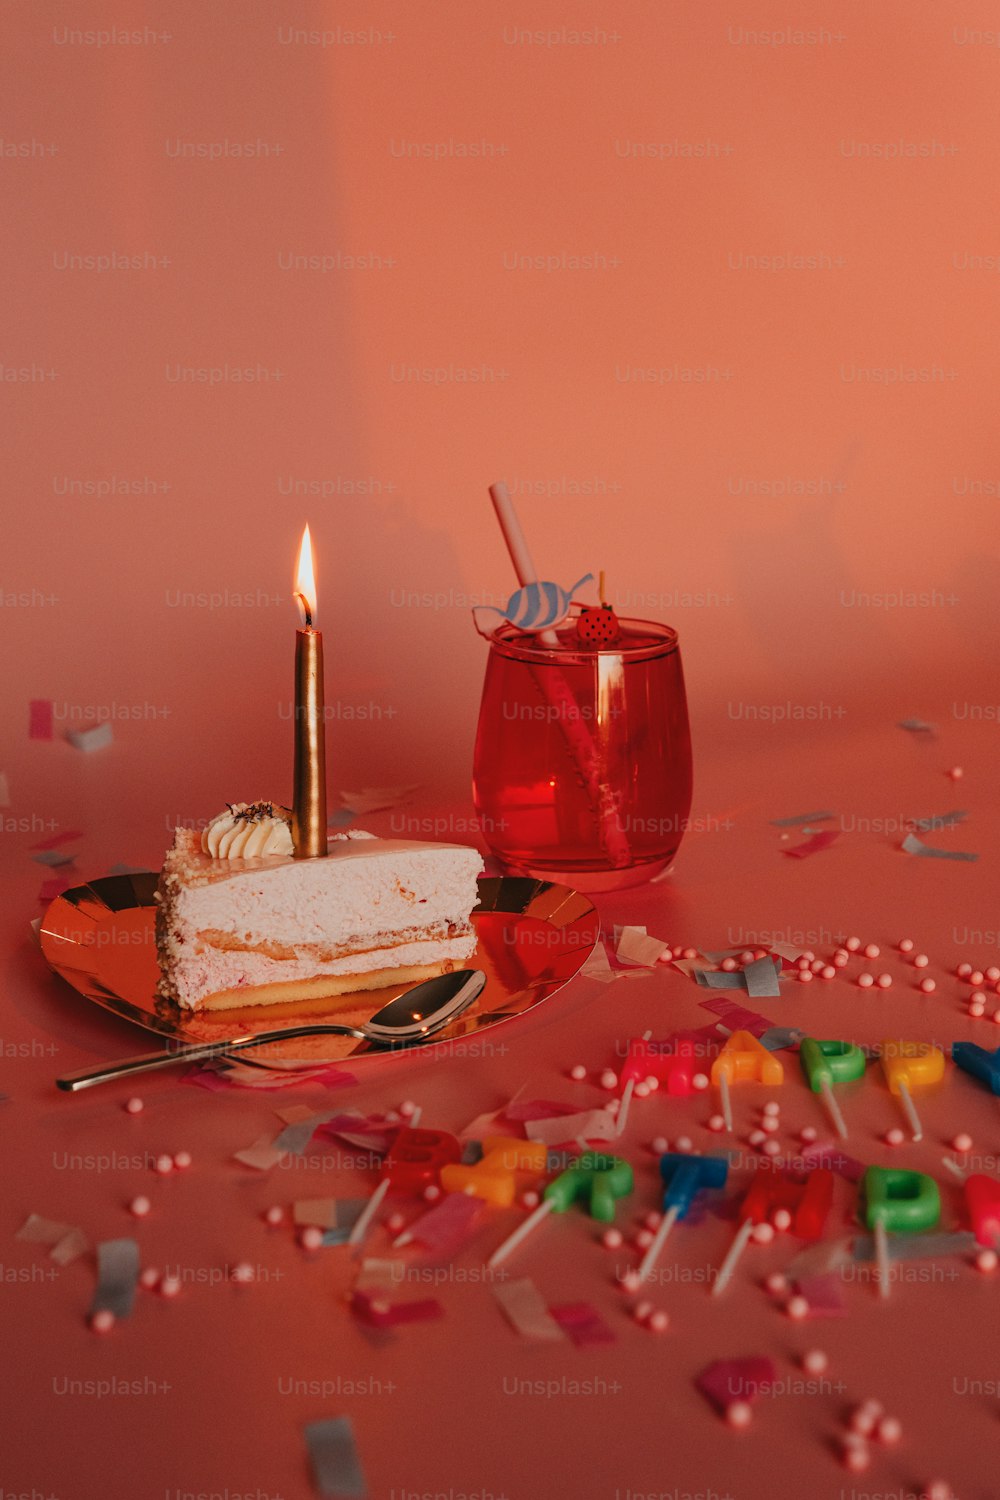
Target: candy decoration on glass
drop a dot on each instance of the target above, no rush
(909, 1066)
(684, 1176)
(743, 1060)
(897, 1201)
(808, 1201)
(826, 1063)
(597, 625)
(535, 607)
(599, 1178)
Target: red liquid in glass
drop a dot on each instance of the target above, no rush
(583, 758)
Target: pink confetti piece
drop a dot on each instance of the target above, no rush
(41, 1231)
(50, 889)
(70, 1247)
(448, 1224)
(40, 719)
(589, 1125)
(261, 1155)
(635, 946)
(824, 1295)
(729, 1380)
(481, 1126)
(522, 1305)
(736, 1017)
(375, 1310)
(68, 836)
(537, 1109)
(821, 840)
(827, 1154)
(583, 1324)
(294, 1114)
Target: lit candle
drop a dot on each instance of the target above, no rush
(309, 796)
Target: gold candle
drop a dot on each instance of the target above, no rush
(309, 795)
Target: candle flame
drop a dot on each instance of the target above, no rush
(305, 580)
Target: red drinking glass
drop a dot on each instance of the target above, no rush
(582, 767)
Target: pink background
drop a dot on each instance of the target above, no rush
(819, 527)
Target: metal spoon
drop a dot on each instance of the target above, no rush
(411, 1017)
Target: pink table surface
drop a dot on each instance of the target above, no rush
(224, 1377)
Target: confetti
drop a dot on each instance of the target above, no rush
(53, 857)
(720, 979)
(537, 1109)
(635, 946)
(940, 820)
(824, 1294)
(69, 836)
(117, 1277)
(912, 845)
(66, 1241)
(447, 1224)
(916, 726)
(814, 845)
(589, 1125)
(522, 1305)
(582, 1324)
(375, 1310)
(736, 1018)
(917, 1246)
(376, 798)
(70, 1247)
(262, 1155)
(40, 719)
(728, 1380)
(347, 1212)
(333, 1456)
(98, 737)
(762, 977)
(50, 889)
(812, 817)
(825, 1154)
(780, 1037)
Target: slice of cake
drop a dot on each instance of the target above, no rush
(239, 921)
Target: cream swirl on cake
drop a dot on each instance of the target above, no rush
(248, 830)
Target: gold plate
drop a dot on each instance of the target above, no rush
(533, 937)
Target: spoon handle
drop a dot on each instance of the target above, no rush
(194, 1052)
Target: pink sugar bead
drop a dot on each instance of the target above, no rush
(840, 953)
(977, 1008)
(814, 1362)
(139, 1207)
(857, 1458)
(242, 1273)
(641, 1090)
(889, 1431)
(829, 972)
(659, 1322)
(609, 1079)
(182, 1160)
(894, 1137)
(817, 966)
(962, 1141)
(872, 950)
(956, 773)
(756, 1138)
(781, 1219)
(762, 1234)
(149, 1278)
(802, 962)
(641, 1311)
(678, 950)
(659, 1144)
(652, 1084)
(993, 973)
(797, 1309)
(771, 1147)
(530, 1199)
(170, 1286)
(748, 957)
(612, 1239)
(920, 960)
(863, 1418)
(103, 1320)
(716, 1122)
(739, 1414)
(776, 1283)
(770, 1123)
(690, 952)
(976, 977)
(928, 986)
(652, 1219)
(805, 976)
(395, 1223)
(163, 1164)
(884, 981)
(644, 1239)
(274, 1215)
(407, 1108)
(866, 980)
(963, 971)
(853, 944)
(133, 1106)
(432, 1192)
(808, 1134)
(578, 1072)
(996, 1017)
(630, 1281)
(728, 965)
(987, 1261)
(683, 1143)
(700, 1081)
(905, 945)
(940, 1489)
(311, 1237)
(667, 956)
(771, 1107)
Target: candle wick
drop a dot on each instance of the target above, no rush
(304, 606)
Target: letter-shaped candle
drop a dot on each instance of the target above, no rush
(684, 1175)
(825, 1063)
(494, 1177)
(900, 1202)
(908, 1066)
(599, 1178)
(744, 1060)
